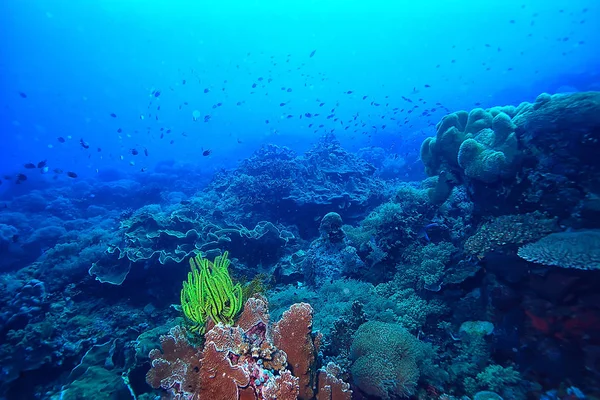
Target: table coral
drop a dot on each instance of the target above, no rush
(580, 250)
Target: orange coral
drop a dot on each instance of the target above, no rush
(247, 361)
(292, 334)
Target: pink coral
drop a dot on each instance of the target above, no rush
(249, 361)
(330, 386)
(292, 334)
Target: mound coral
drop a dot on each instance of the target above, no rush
(480, 145)
(248, 360)
(385, 360)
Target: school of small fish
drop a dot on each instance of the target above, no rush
(321, 117)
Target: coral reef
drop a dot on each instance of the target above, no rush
(479, 281)
(248, 360)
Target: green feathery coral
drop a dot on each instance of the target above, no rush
(210, 293)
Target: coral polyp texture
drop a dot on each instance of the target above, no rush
(253, 359)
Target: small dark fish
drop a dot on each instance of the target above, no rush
(427, 86)
(21, 177)
(71, 174)
(349, 92)
(266, 121)
(15, 238)
(260, 78)
(172, 141)
(321, 105)
(307, 115)
(239, 103)
(119, 130)
(312, 53)
(281, 104)
(289, 90)
(61, 139)
(42, 164)
(113, 115)
(84, 144)
(364, 97)
(157, 93)
(183, 82)
(58, 171)
(99, 149)
(206, 153)
(146, 152)
(206, 118)
(23, 95)
(134, 152)
(206, 90)
(29, 165)
(219, 104)
(253, 85)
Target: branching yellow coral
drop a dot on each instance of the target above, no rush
(210, 293)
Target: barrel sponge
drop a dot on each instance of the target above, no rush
(386, 358)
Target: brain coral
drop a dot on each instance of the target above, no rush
(481, 145)
(579, 249)
(385, 360)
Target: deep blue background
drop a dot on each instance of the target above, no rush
(80, 61)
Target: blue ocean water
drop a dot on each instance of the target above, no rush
(294, 135)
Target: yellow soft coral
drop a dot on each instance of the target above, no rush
(210, 293)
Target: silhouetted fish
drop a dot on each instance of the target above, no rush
(71, 174)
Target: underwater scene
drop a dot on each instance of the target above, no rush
(317, 199)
